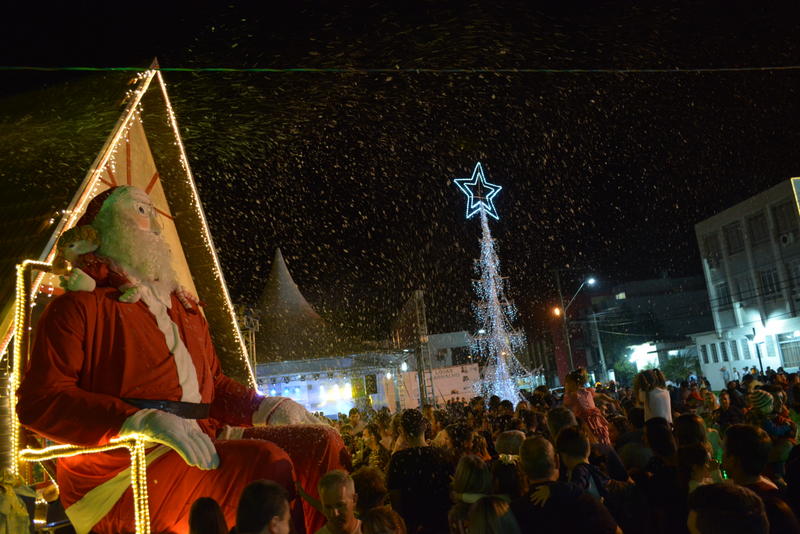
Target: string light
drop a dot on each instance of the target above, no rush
(206, 234)
(91, 185)
(496, 340)
(135, 443)
(479, 201)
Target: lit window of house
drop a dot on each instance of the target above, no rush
(735, 350)
(768, 282)
(790, 348)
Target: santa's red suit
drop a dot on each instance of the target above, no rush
(92, 351)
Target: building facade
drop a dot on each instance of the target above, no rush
(751, 262)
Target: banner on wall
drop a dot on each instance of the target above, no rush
(449, 383)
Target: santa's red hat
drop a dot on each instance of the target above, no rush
(94, 205)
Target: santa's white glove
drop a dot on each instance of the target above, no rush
(78, 280)
(275, 411)
(182, 435)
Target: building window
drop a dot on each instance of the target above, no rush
(723, 348)
(768, 280)
(723, 295)
(734, 238)
(735, 350)
(712, 250)
(744, 288)
(714, 354)
(704, 352)
(785, 217)
(757, 227)
(790, 349)
(793, 269)
(746, 349)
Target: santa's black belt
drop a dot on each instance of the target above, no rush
(187, 410)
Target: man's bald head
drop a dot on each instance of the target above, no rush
(538, 459)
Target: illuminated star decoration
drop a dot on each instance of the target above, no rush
(480, 193)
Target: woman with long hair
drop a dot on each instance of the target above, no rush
(377, 455)
(650, 392)
(472, 480)
(492, 515)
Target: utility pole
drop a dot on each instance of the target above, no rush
(566, 325)
(603, 368)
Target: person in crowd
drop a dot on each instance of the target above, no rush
(690, 429)
(377, 455)
(736, 395)
(635, 417)
(580, 400)
(728, 413)
(709, 406)
(747, 450)
(695, 467)
(618, 426)
(509, 442)
(505, 408)
(472, 481)
(263, 509)
(602, 455)
(566, 509)
(480, 447)
(507, 477)
(338, 498)
(439, 421)
(492, 515)
(384, 421)
(573, 449)
(418, 478)
(382, 520)
(206, 517)
(370, 486)
(356, 421)
(662, 489)
(529, 421)
(650, 392)
(458, 441)
(726, 508)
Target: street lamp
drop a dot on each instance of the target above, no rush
(562, 311)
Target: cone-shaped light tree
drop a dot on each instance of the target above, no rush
(497, 340)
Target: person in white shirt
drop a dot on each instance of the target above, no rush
(650, 392)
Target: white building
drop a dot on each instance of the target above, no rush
(751, 262)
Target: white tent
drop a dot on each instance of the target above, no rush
(290, 328)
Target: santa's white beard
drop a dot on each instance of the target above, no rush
(143, 255)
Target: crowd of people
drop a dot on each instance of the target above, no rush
(652, 458)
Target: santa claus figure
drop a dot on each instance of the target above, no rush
(102, 367)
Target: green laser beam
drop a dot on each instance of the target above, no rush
(407, 70)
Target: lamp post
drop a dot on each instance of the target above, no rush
(564, 309)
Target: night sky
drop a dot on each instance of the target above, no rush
(350, 173)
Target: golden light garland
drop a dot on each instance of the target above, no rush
(207, 241)
(135, 443)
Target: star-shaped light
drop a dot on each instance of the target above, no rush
(480, 193)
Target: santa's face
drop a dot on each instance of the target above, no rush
(139, 209)
(131, 235)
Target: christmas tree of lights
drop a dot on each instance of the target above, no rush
(497, 340)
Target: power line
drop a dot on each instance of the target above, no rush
(410, 70)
